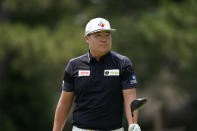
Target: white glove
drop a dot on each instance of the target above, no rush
(134, 127)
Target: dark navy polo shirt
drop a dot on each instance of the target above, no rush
(98, 86)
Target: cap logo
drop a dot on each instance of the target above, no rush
(102, 24)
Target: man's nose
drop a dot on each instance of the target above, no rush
(104, 38)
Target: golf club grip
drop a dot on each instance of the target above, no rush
(133, 120)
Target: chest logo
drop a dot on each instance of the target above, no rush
(84, 73)
(113, 72)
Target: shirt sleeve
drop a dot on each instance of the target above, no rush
(68, 81)
(128, 78)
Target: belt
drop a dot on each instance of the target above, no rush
(79, 129)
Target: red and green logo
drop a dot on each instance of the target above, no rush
(102, 24)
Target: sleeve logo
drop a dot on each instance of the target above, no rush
(133, 79)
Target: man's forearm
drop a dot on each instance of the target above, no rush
(60, 117)
(129, 96)
(62, 110)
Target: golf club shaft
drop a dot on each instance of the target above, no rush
(133, 120)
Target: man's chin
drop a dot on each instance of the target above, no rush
(104, 52)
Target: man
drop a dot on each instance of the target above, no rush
(102, 82)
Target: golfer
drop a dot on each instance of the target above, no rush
(100, 83)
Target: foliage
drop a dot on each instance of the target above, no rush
(34, 60)
(164, 38)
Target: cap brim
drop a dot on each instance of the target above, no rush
(110, 30)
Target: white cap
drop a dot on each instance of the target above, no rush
(97, 24)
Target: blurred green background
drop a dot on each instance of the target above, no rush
(38, 37)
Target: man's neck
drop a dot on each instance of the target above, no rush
(97, 56)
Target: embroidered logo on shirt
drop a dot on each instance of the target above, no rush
(113, 72)
(84, 73)
(133, 79)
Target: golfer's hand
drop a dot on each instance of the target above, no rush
(134, 127)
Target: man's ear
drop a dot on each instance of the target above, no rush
(86, 38)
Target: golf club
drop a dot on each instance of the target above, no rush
(137, 104)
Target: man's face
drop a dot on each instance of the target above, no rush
(99, 42)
